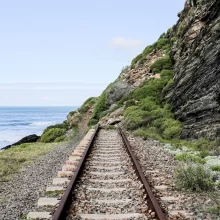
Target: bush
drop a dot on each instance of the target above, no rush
(172, 132)
(148, 104)
(62, 126)
(136, 59)
(93, 122)
(130, 103)
(171, 128)
(100, 106)
(148, 50)
(146, 133)
(60, 139)
(185, 157)
(162, 43)
(161, 64)
(134, 117)
(215, 168)
(72, 113)
(51, 134)
(87, 104)
(151, 88)
(194, 177)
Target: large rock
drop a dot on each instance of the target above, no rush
(28, 139)
(117, 91)
(196, 54)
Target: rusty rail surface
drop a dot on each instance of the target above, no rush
(61, 211)
(152, 202)
(65, 202)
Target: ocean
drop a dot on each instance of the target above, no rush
(18, 122)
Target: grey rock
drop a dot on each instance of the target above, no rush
(196, 94)
(117, 91)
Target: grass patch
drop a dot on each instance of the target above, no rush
(193, 177)
(55, 193)
(215, 168)
(185, 157)
(214, 209)
(2, 199)
(11, 160)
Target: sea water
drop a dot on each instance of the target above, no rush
(18, 122)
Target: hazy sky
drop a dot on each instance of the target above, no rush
(55, 52)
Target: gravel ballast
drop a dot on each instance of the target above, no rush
(20, 195)
(158, 166)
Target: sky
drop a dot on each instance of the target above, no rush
(59, 53)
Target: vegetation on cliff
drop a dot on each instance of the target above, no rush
(54, 133)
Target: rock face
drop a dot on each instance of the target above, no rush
(112, 118)
(196, 54)
(118, 90)
(130, 79)
(28, 139)
(141, 72)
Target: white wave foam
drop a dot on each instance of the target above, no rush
(43, 123)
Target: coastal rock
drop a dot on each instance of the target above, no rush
(196, 93)
(141, 71)
(112, 118)
(28, 139)
(117, 91)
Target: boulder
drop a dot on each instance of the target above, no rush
(117, 91)
(28, 139)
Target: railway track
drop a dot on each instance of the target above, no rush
(106, 183)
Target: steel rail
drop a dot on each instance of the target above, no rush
(65, 201)
(152, 202)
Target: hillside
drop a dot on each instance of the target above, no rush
(177, 77)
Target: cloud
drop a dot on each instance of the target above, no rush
(125, 44)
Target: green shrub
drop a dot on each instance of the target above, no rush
(51, 134)
(167, 75)
(185, 157)
(148, 104)
(171, 128)
(129, 103)
(148, 50)
(151, 88)
(172, 132)
(100, 106)
(194, 177)
(142, 61)
(72, 113)
(215, 168)
(60, 139)
(146, 133)
(136, 59)
(134, 117)
(203, 144)
(62, 126)
(87, 104)
(162, 43)
(161, 64)
(93, 122)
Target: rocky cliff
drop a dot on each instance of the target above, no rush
(196, 55)
(189, 51)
